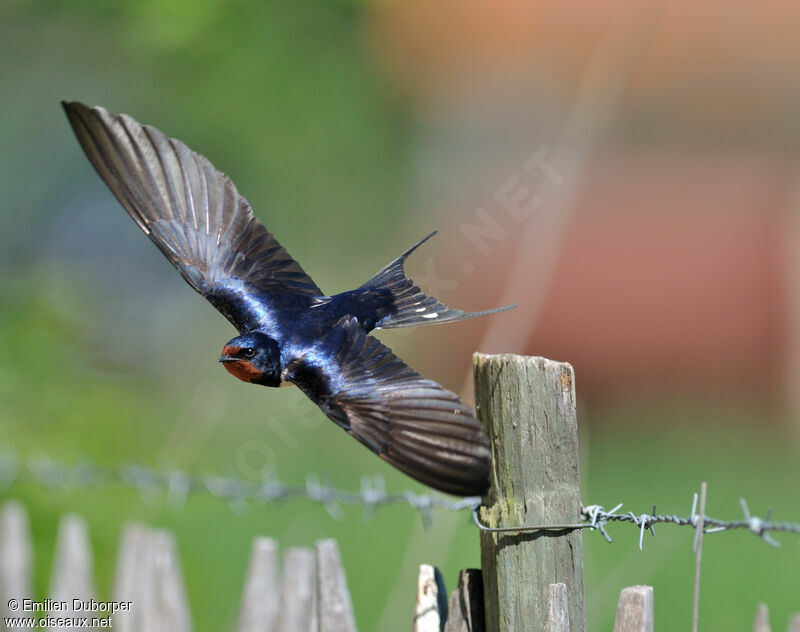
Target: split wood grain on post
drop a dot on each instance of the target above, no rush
(527, 406)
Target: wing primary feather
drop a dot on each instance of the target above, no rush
(193, 213)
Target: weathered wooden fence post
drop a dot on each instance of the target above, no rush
(298, 600)
(149, 576)
(761, 623)
(16, 560)
(465, 608)
(333, 598)
(430, 612)
(527, 405)
(635, 610)
(72, 575)
(260, 595)
(557, 609)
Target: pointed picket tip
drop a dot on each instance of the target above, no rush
(298, 601)
(259, 604)
(635, 610)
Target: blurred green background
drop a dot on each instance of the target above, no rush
(660, 262)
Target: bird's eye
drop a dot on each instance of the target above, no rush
(249, 352)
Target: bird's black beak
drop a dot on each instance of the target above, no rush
(227, 358)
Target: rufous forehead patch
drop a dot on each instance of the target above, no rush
(230, 350)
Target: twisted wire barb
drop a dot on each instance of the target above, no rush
(175, 485)
(598, 518)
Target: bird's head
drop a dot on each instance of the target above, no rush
(253, 357)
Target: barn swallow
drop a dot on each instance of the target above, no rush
(289, 330)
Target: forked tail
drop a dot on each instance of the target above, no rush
(410, 305)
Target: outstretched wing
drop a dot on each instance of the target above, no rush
(409, 421)
(193, 213)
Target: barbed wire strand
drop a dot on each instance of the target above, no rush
(175, 486)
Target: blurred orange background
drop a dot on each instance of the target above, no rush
(668, 247)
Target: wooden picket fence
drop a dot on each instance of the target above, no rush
(310, 595)
(530, 580)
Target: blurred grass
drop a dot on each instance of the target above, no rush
(107, 417)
